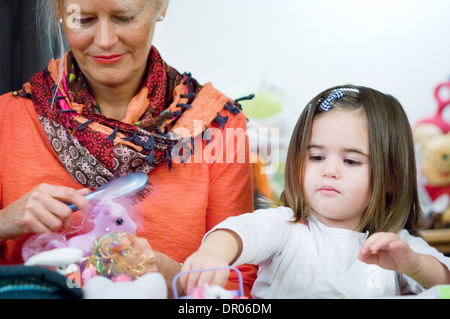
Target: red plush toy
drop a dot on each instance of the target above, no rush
(432, 137)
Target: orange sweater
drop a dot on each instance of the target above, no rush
(185, 203)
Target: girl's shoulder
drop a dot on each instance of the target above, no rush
(280, 212)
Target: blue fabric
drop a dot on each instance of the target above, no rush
(30, 282)
(332, 97)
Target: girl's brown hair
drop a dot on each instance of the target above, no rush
(394, 202)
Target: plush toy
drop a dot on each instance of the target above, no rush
(432, 139)
(213, 291)
(110, 210)
(109, 260)
(148, 286)
(61, 260)
(435, 167)
(116, 254)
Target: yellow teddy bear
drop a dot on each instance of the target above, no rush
(434, 172)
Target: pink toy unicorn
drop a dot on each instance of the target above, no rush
(109, 212)
(109, 216)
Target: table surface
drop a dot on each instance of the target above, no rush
(438, 238)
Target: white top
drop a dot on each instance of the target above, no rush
(315, 261)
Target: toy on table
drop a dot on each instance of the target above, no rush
(210, 292)
(109, 211)
(432, 138)
(122, 265)
(149, 286)
(63, 260)
(121, 254)
(118, 263)
(108, 216)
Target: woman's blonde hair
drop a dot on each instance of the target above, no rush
(48, 15)
(394, 202)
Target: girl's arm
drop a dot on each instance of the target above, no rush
(219, 249)
(388, 251)
(230, 183)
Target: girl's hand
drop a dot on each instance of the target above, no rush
(42, 210)
(388, 251)
(203, 260)
(219, 249)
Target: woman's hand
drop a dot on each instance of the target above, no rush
(42, 210)
(168, 267)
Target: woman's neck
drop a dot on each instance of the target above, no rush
(113, 100)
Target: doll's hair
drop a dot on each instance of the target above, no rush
(394, 202)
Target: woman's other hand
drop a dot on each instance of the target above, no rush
(42, 210)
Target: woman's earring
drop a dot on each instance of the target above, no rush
(161, 18)
(61, 20)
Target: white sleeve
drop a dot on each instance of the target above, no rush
(419, 245)
(263, 233)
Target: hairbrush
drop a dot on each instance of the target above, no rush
(134, 184)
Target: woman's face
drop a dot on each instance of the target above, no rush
(110, 41)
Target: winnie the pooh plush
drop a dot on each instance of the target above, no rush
(435, 168)
(432, 139)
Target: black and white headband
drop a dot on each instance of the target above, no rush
(332, 97)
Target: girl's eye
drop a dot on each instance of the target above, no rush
(316, 158)
(352, 162)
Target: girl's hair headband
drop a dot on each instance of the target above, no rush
(332, 97)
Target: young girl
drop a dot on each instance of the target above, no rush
(348, 215)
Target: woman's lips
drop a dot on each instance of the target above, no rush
(108, 59)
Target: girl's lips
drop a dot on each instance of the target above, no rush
(108, 59)
(328, 190)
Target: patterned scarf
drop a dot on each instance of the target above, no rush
(95, 149)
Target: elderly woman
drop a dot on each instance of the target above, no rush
(111, 106)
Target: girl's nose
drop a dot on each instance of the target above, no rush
(105, 35)
(331, 169)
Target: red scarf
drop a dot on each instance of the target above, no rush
(95, 149)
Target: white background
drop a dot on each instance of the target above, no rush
(301, 47)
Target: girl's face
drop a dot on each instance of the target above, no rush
(110, 44)
(337, 174)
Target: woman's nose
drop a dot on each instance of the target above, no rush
(105, 34)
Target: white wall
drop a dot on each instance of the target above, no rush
(401, 47)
